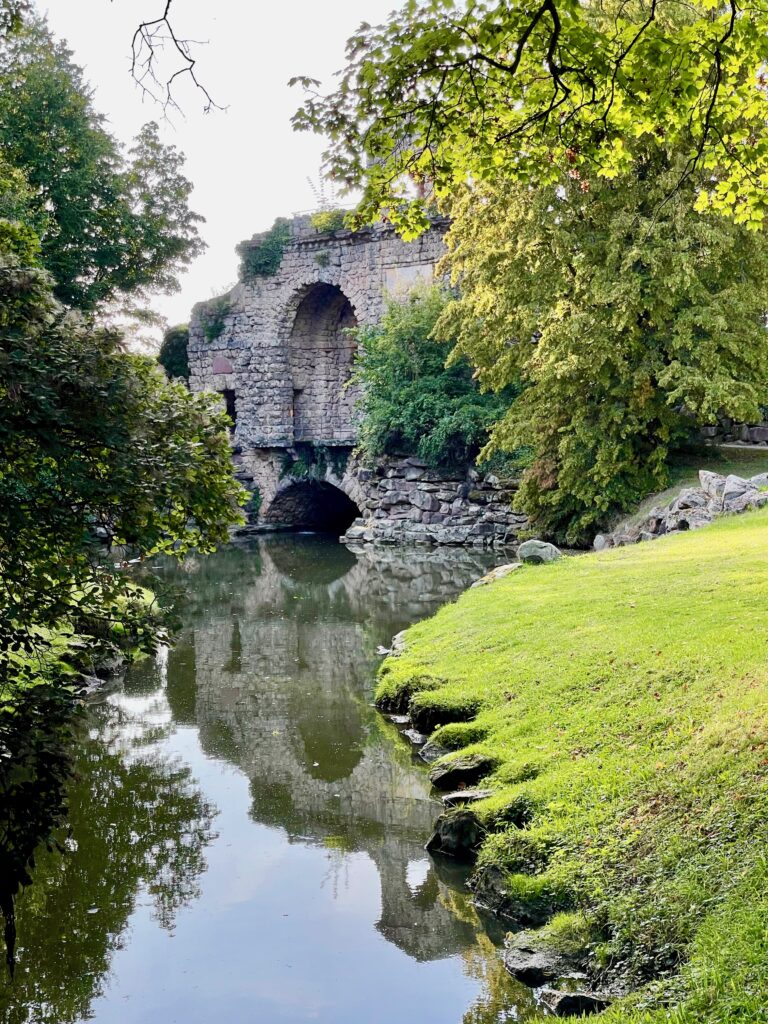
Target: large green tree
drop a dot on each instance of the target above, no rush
(448, 91)
(628, 317)
(111, 224)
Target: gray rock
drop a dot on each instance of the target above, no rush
(458, 833)
(573, 1004)
(418, 739)
(432, 751)
(712, 484)
(465, 770)
(532, 961)
(690, 497)
(602, 542)
(761, 480)
(737, 493)
(465, 796)
(496, 574)
(538, 551)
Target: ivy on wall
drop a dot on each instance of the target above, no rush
(262, 257)
(213, 316)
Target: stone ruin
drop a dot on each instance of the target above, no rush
(278, 350)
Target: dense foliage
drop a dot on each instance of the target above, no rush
(110, 225)
(413, 403)
(626, 317)
(174, 356)
(446, 92)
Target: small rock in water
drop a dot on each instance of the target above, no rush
(530, 959)
(431, 751)
(418, 739)
(536, 552)
(465, 796)
(457, 834)
(399, 719)
(572, 1004)
(465, 770)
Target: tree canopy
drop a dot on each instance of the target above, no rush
(451, 91)
(628, 317)
(110, 224)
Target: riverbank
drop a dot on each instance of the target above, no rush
(616, 706)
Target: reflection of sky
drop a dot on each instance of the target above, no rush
(281, 932)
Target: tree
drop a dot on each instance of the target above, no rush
(627, 316)
(173, 356)
(109, 226)
(412, 403)
(448, 92)
(93, 440)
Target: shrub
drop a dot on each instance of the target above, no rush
(327, 221)
(413, 404)
(261, 256)
(174, 357)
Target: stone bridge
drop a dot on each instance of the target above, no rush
(278, 350)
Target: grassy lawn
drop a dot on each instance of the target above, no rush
(623, 697)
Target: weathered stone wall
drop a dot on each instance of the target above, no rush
(282, 349)
(405, 500)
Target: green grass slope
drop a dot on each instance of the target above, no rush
(623, 697)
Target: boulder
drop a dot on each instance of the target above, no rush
(538, 551)
(458, 833)
(464, 770)
(418, 739)
(759, 481)
(690, 497)
(602, 542)
(737, 493)
(532, 961)
(712, 484)
(573, 1004)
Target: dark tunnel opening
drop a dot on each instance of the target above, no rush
(313, 505)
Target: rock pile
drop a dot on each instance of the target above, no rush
(408, 501)
(693, 508)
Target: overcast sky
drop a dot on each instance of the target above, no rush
(246, 163)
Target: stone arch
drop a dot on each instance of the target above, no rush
(320, 355)
(312, 505)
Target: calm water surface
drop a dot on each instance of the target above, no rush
(247, 831)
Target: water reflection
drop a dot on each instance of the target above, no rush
(314, 894)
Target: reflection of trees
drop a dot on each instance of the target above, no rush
(139, 822)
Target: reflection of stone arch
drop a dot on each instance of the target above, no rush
(312, 505)
(320, 355)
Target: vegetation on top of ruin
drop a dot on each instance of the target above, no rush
(618, 699)
(262, 255)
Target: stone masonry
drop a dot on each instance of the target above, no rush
(281, 357)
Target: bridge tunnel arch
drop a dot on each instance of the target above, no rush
(312, 505)
(320, 356)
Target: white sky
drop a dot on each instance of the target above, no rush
(246, 163)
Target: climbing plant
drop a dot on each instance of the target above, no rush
(262, 257)
(213, 316)
(173, 356)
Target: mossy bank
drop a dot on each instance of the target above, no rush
(617, 702)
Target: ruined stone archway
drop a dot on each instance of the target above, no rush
(320, 355)
(312, 505)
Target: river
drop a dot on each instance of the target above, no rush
(247, 831)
